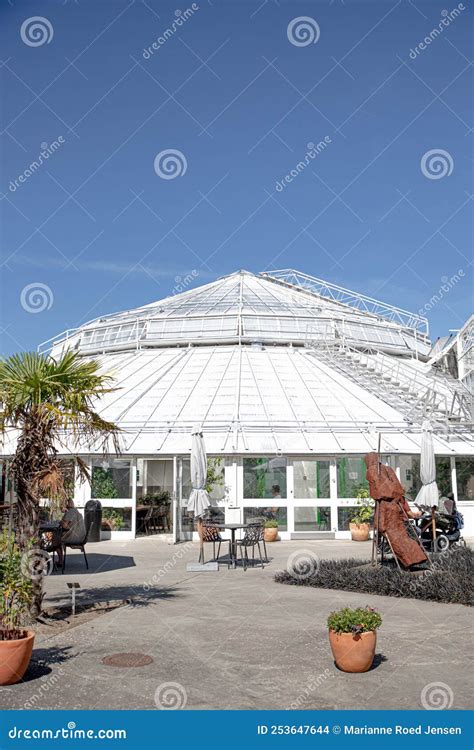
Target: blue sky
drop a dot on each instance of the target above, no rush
(96, 229)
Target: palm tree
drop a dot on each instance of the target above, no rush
(48, 403)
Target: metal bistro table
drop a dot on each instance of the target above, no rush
(232, 527)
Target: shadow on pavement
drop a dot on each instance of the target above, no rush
(98, 563)
(44, 659)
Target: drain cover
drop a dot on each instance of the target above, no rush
(127, 660)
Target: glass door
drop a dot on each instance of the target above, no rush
(313, 497)
(155, 494)
(184, 524)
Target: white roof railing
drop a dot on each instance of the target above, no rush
(355, 300)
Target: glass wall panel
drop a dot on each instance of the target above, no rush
(279, 514)
(116, 519)
(265, 478)
(311, 479)
(443, 475)
(312, 519)
(344, 516)
(216, 495)
(216, 472)
(410, 475)
(111, 479)
(187, 519)
(351, 476)
(465, 477)
(154, 479)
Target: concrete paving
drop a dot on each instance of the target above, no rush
(234, 639)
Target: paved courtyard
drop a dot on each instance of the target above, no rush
(233, 639)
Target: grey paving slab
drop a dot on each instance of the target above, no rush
(235, 639)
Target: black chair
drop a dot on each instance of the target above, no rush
(209, 533)
(76, 545)
(159, 518)
(146, 520)
(252, 538)
(260, 521)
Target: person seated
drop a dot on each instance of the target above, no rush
(447, 504)
(73, 528)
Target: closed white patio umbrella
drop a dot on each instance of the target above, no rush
(428, 494)
(198, 499)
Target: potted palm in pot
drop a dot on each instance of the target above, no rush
(16, 595)
(353, 637)
(359, 525)
(270, 533)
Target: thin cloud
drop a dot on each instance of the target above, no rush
(102, 266)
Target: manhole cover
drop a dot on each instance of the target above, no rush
(127, 660)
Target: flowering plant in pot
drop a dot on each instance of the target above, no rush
(270, 533)
(360, 520)
(353, 637)
(16, 597)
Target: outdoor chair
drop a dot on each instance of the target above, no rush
(252, 538)
(76, 545)
(159, 518)
(209, 533)
(146, 521)
(260, 521)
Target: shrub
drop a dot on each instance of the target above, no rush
(359, 620)
(449, 580)
(272, 523)
(16, 590)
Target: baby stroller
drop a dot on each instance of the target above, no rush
(447, 528)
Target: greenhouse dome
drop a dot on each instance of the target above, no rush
(291, 380)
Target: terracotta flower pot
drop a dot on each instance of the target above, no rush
(270, 535)
(353, 652)
(14, 658)
(359, 531)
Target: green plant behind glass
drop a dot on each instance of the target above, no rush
(162, 497)
(103, 485)
(215, 477)
(115, 518)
